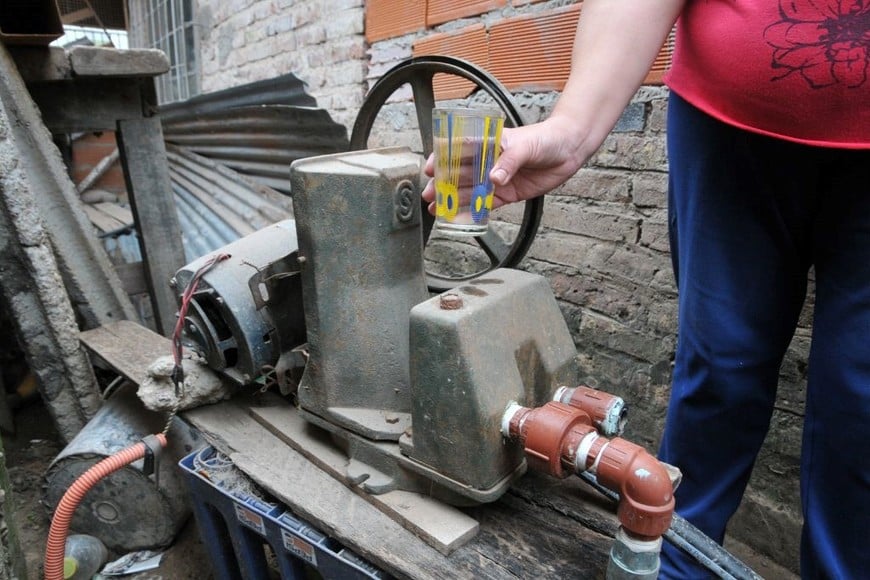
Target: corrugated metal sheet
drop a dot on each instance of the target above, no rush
(259, 141)
(216, 205)
(286, 89)
(229, 156)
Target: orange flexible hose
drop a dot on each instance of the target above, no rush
(56, 544)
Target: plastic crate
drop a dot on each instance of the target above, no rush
(236, 528)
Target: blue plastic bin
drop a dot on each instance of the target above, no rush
(236, 528)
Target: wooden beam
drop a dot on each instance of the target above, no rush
(77, 15)
(88, 104)
(143, 157)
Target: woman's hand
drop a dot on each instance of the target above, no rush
(534, 160)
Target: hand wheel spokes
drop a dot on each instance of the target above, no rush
(501, 246)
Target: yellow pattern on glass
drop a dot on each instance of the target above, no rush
(449, 159)
(485, 142)
(496, 152)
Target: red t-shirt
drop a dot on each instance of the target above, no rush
(793, 69)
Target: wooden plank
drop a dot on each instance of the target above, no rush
(87, 104)
(132, 278)
(121, 214)
(146, 172)
(40, 64)
(441, 526)
(112, 62)
(127, 347)
(103, 221)
(521, 536)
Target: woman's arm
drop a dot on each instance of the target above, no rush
(614, 48)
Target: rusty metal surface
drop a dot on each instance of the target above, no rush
(363, 252)
(507, 342)
(114, 510)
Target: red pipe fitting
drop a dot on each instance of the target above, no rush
(550, 436)
(606, 411)
(560, 440)
(646, 503)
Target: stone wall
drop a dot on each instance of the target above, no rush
(603, 242)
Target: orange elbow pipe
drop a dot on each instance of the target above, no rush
(646, 504)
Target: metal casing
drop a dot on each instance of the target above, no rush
(361, 248)
(247, 309)
(507, 341)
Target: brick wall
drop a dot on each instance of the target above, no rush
(321, 41)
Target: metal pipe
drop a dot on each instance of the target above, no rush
(693, 541)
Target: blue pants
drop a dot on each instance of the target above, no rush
(749, 215)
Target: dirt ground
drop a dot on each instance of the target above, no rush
(28, 453)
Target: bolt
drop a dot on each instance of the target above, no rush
(173, 283)
(451, 302)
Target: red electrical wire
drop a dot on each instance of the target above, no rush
(60, 522)
(186, 297)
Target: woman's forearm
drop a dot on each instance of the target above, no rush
(616, 43)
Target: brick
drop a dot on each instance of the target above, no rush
(469, 43)
(600, 185)
(631, 119)
(310, 34)
(654, 232)
(612, 334)
(389, 51)
(345, 23)
(565, 249)
(534, 52)
(658, 115)
(627, 263)
(649, 189)
(577, 219)
(345, 73)
(389, 18)
(632, 151)
(440, 11)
